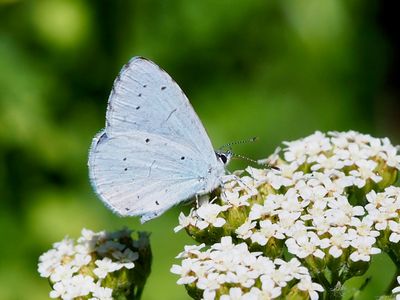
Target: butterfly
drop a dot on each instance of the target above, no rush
(154, 151)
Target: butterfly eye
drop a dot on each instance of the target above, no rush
(222, 157)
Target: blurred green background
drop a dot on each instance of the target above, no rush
(275, 69)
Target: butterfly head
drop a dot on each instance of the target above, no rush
(224, 156)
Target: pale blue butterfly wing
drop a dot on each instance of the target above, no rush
(154, 151)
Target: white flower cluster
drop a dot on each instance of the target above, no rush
(78, 269)
(231, 268)
(329, 196)
(309, 199)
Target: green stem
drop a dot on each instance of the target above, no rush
(334, 293)
(331, 292)
(139, 292)
(323, 281)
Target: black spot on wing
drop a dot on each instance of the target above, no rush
(102, 138)
(170, 114)
(137, 107)
(147, 140)
(163, 88)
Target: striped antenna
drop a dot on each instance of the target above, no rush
(238, 156)
(251, 140)
(265, 164)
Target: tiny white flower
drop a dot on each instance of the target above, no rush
(395, 228)
(244, 277)
(339, 240)
(270, 284)
(312, 288)
(294, 230)
(279, 276)
(288, 219)
(62, 272)
(268, 291)
(364, 172)
(333, 181)
(397, 289)
(80, 285)
(269, 208)
(376, 199)
(390, 154)
(259, 175)
(363, 249)
(329, 163)
(209, 294)
(105, 266)
(81, 260)
(292, 267)
(314, 194)
(88, 240)
(235, 293)
(191, 250)
(102, 293)
(380, 218)
(293, 203)
(362, 227)
(341, 211)
(59, 291)
(263, 265)
(65, 247)
(209, 212)
(208, 283)
(267, 230)
(48, 262)
(309, 244)
(226, 244)
(296, 151)
(234, 198)
(245, 230)
(185, 271)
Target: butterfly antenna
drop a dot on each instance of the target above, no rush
(238, 156)
(251, 140)
(264, 164)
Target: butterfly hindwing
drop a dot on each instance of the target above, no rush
(146, 174)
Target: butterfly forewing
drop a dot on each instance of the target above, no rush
(146, 98)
